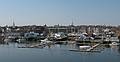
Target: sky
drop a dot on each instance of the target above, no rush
(62, 12)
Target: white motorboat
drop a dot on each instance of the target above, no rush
(46, 41)
(84, 47)
(21, 40)
(114, 44)
(7, 40)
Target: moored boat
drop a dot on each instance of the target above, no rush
(114, 44)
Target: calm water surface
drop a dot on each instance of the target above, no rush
(57, 53)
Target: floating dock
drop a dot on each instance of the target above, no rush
(93, 47)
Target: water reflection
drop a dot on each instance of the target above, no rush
(107, 46)
(119, 49)
(58, 53)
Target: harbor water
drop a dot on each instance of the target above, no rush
(56, 53)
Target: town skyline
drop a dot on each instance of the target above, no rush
(72, 24)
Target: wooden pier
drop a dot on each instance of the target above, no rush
(93, 47)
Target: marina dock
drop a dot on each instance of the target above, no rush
(93, 47)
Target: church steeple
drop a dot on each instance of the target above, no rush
(13, 24)
(72, 23)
